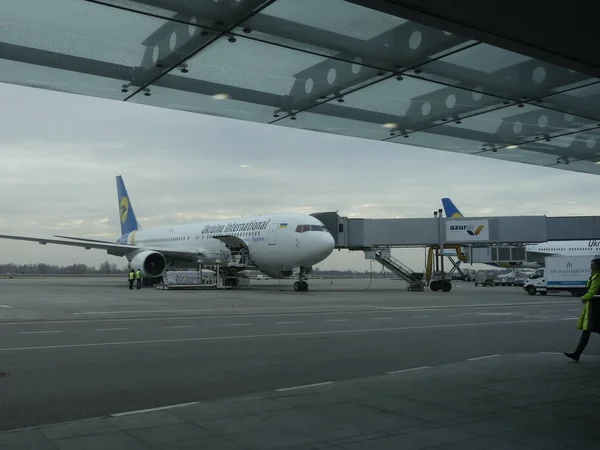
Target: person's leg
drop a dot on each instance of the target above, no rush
(583, 342)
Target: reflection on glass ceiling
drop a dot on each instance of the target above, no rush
(328, 66)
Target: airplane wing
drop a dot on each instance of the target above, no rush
(82, 239)
(110, 247)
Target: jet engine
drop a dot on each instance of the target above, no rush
(150, 264)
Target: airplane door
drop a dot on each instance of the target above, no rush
(273, 233)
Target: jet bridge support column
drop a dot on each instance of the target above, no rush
(436, 279)
(435, 257)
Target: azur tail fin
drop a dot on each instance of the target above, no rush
(127, 217)
(450, 209)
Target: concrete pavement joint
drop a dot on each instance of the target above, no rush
(293, 388)
(482, 357)
(111, 329)
(160, 408)
(408, 370)
(39, 332)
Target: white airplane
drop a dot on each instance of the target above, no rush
(275, 244)
(566, 248)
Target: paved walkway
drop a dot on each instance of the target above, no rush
(528, 402)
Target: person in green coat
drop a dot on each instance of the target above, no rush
(589, 321)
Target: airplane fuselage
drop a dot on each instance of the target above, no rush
(276, 243)
(567, 248)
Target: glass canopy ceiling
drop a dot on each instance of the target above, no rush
(322, 65)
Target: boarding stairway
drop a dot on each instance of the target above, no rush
(414, 279)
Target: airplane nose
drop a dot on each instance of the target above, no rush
(324, 246)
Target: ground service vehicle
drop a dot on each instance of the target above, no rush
(560, 274)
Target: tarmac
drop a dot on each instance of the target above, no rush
(340, 366)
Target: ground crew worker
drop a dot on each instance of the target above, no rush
(131, 278)
(138, 277)
(589, 321)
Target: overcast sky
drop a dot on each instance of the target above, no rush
(61, 153)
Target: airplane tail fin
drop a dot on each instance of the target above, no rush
(450, 209)
(127, 217)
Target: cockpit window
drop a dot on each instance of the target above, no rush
(305, 228)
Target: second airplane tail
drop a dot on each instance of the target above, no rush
(127, 217)
(450, 209)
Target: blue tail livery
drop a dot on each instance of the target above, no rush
(450, 209)
(127, 217)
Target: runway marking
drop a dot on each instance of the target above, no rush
(475, 305)
(419, 317)
(235, 324)
(373, 310)
(549, 353)
(574, 310)
(489, 314)
(160, 408)
(369, 308)
(5, 306)
(179, 326)
(214, 309)
(408, 370)
(110, 329)
(39, 332)
(482, 357)
(381, 318)
(293, 388)
(262, 336)
(285, 323)
(337, 320)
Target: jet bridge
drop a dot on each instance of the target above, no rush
(360, 234)
(374, 235)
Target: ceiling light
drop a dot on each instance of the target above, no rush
(221, 96)
(512, 146)
(390, 125)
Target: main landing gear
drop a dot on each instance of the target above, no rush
(301, 284)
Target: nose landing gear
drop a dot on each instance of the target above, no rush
(301, 284)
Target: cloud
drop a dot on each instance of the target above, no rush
(60, 155)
